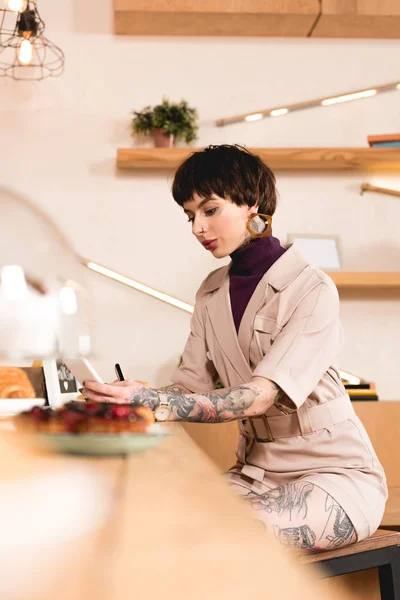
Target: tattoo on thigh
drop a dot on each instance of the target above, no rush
(339, 530)
(295, 537)
(286, 499)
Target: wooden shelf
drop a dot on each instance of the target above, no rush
(364, 280)
(299, 159)
(308, 18)
(354, 19)
(215, 17)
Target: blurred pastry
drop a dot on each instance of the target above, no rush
(14, 383)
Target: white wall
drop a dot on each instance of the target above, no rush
(58, 145)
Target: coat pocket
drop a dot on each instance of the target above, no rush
(264, 328)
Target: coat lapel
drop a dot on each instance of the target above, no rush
(220, 314)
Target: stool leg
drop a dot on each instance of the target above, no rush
(389, 579)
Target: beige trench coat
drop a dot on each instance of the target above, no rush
(291, 334)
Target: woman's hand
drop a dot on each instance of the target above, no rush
(121, 392)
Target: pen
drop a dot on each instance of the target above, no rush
(119, 373)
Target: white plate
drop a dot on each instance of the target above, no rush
(12, 406)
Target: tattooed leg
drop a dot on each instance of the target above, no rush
(286, 500)
(300, 514)
(339, 530)
(296, 537)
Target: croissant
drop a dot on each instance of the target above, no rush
(14, 383)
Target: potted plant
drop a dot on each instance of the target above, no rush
(167, 122)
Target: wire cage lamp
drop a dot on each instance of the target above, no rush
(25, 53)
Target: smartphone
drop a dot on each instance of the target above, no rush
(82, 370)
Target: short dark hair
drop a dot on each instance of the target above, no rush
(229, 172)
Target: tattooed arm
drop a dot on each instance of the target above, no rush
(151, 398)
(228, 404)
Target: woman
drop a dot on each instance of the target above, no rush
(268, 326)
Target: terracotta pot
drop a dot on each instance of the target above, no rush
(163, 139)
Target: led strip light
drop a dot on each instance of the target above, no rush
(166, 298)
(329, 101)
(367, 187)
(136, 285)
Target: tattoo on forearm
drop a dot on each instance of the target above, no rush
(287, 406)
(225, 404)
(146, 397)
(149, 397)
(174, 389)
(278, 394)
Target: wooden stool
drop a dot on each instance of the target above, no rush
(381, 551)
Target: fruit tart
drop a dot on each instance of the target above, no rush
(86, 417)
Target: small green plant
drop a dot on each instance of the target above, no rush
(178, 119)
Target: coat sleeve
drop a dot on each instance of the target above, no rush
(196, 372)
(307, 345)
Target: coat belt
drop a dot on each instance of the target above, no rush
(304, 421)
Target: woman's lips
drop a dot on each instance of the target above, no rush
(210, 244)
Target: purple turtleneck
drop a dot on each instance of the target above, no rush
(249, 263)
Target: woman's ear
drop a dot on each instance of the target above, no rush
(253, 210)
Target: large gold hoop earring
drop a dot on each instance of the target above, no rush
(255, 227)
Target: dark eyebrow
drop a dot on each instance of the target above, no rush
(202, 203)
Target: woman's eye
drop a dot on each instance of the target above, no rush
(210, 212)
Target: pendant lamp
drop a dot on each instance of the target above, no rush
(25, 52)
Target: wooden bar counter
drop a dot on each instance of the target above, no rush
(172, 529)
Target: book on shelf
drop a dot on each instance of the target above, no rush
(386, 144)
(373, 140)
(361, 392)
(359, 386)
(359, 397)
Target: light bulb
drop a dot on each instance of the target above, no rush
(25, 52)
(348, 97)
(254, 117)
(16, 6)
(278, 112)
